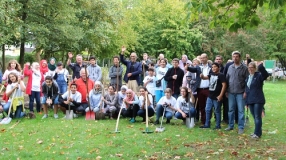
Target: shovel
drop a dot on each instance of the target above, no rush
(161, 128)
(1, 88)
(8, 119)
(147, 131)
(190, 121)
(246, 123)
(69, 113)
(90, 115)
(117, 122)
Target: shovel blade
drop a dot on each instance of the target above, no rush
(90, 115)
(160, 129)
(6, 120)
(69, 114)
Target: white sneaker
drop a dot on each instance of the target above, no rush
(56, 116)
(45, 116)
(75, 115)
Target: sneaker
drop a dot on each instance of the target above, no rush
(45, 116)
(228, 129)
(168, 121)
(132, 120)
(75, 115)
(251, 134)
(156, 122)
(254, 136)
(56, 116)
(240, 131)
(205, 126)
(216, 128)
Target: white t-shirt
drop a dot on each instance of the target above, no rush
(36, 81)
(182, 104)
(172, 101)
(18, 93)
(160, 72)
(151, 85)
(76, 97)
(141, 99)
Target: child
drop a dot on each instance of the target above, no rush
(50, 92)
(110, 100)
(73, 99)
(160, 73)
(13, 66)
(168, 102)
(183, 106)
(121, 95)
(130, 105)
(150, 81)
(15, 88)
(142, 103)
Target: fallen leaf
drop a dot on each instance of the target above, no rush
(98, 158)
(189, 154)
(177, 157)
(119, 155)
(3, 130)
(234, 153)
(39, 141)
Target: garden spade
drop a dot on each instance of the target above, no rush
(161, 128)
(90, 115)
(147, 131)
(117, 122)
(69, 113)
(190, 122)
(8, 119)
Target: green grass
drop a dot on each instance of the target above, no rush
(80, 139)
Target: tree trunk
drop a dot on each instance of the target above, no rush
(3, 58)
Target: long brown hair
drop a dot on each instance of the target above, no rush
(12, 73)
(18, 67)
(187, 95)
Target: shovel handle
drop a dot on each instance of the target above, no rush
(118, 117)
(14, 92)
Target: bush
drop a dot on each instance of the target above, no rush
(29, 57)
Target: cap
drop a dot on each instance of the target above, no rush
(236, 52)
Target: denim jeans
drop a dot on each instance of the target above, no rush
(217, 110)
(236, 100)
(34, 95)
(142, 112)
(160, 110)
(19, 111)
(158, 95)
(256, 111)
(178, 115)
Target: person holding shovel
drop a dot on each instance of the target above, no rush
(142, 100)
(73, 99)
(183, 106)
(115, 73)
(130, 105)
(15, 84)
(110, 100)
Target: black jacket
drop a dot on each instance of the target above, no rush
(174, 84)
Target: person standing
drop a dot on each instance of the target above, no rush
(75, 67)
(174, 78)
(115, 74)
(235, 78)
(254, 95)
(133, 70)
(61, 77)
(217, 89)
(183, 62)
(94, 70)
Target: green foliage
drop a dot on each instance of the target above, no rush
(29, 57)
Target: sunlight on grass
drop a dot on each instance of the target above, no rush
(80, 139)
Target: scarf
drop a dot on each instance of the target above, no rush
(132, 95)
(97, 91)
(52, 67)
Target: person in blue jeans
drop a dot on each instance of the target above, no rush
(217, 89)
(61, 76)
(184, 107)
(166, 103)
(14, 91)
(142, 104)
(254, 95)
(235, 79)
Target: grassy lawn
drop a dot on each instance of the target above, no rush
(80, 139)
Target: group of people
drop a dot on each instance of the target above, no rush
(183, 89)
